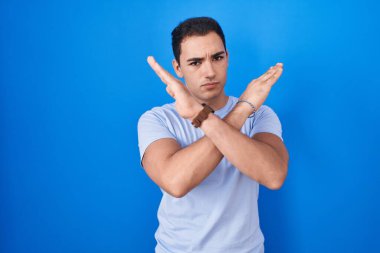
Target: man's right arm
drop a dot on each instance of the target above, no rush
(177, 170)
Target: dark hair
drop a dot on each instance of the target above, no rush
(194, 26)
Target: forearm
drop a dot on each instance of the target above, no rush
(255, 159)
(188, 167)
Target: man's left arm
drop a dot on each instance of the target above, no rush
(263, 157)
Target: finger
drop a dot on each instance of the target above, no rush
(272, 72)
(165, 76)
(268, 74)
(157, 69)
(278, 70)
(168, 90)
(279, 64)
(265, 75)
(275, 77)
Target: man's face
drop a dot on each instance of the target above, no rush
(204, 64)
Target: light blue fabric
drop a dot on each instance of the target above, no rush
(220, 214)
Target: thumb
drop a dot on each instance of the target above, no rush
(168, 90)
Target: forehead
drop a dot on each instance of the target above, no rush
(200, 46)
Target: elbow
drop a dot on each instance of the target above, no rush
(176, 192)
(175, 188)
(277, 181)
(280, 173)
(173, 182)
(275, 184)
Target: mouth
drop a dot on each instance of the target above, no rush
(210, 84)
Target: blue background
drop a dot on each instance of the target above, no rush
(74, 81)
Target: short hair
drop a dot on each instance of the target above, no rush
(198, 26)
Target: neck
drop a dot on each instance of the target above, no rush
(216, 103)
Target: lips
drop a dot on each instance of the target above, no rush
(211, 84)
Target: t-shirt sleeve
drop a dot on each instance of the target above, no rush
(266, 121)
(150, 128)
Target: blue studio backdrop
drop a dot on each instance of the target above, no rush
(74, 81)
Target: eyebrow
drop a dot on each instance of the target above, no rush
(202, 58)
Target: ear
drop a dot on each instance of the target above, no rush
(177, 68)
(227, 56)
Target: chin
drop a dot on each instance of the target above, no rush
(210, 96)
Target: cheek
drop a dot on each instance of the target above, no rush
(223, 71)
(223, 66)
(190, 83)
(191, 79)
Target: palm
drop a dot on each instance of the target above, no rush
(258, 89)
(185, 103)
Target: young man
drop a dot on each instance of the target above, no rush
(208, 164)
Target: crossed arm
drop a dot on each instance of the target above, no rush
(263, 158)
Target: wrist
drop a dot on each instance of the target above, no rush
(237, 116)
(196, 109)
(202, 115)
(243, 109)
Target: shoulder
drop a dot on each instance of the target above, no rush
(159, 113)
(154, 125)
(266, 120)
(265, 110)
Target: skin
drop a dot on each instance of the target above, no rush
(204, 60)
(177, 170)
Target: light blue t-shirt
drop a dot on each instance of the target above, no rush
(220, 214)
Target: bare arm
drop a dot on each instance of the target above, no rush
(178, 170)
(263, 158)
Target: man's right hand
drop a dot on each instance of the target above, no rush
(258, 89)
(185, 103)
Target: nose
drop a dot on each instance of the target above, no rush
(209, 70)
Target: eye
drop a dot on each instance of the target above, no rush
(218, 58)
(195, 63)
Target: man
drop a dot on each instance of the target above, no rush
(209, 164)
